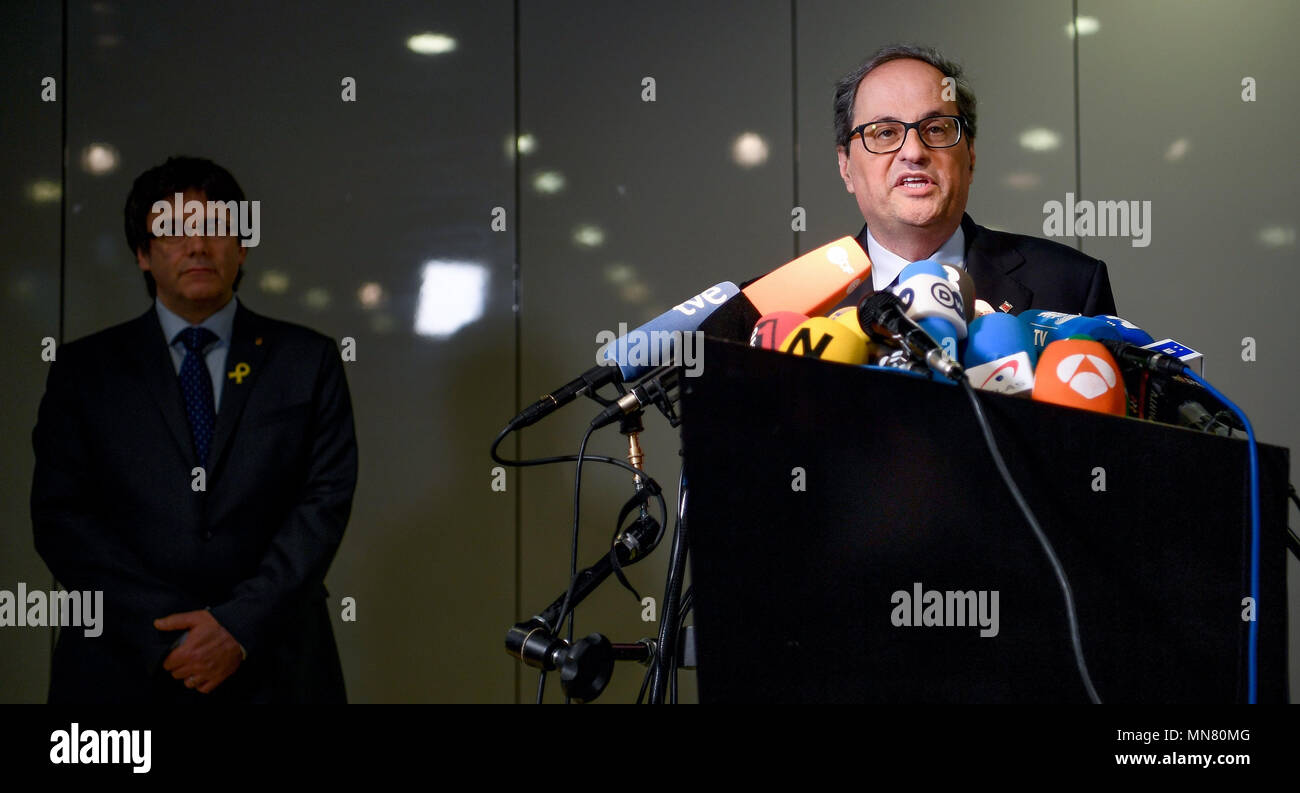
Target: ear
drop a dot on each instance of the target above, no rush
(142, 259)
(971, 149)
(842, 154)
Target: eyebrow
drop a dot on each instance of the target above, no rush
(929, 114)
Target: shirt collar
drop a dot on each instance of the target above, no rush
(886, 265)
(221, 323)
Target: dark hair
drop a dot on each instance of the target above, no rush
(160, 183)
(846, 89)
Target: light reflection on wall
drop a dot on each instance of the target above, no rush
(452, 295)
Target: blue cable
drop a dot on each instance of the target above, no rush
(1253, 640)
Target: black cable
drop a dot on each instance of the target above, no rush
(672, 595)
(1292, 540)
(688, 600)
(645, 679)
(1061, 579)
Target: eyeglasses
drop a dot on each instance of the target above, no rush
(883, 137)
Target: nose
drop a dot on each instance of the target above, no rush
(913, 150)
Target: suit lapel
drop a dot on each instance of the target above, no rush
(248, 347)
(151, 358)
(990, 262)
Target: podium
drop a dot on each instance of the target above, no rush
(820, 494)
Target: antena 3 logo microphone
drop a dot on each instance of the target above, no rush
(1080, 373)
(1085, 374)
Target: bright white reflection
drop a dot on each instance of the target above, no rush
(1022, 180)
(44, 191)
(370, 294)
(1277, 236)
(452, 295)
(1040, 139)
(749, 150)
(619, 273)
(99, 159)
(527, 144)
(548, 182)
(1085, 25)
(588, 236)
(431, 43)
(1178, 150)
(274, 282)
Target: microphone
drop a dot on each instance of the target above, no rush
(813, 283)
(1141, 358)
(630, 356)
(827, 339)
(659, 386)
(1127, 330)
(1080, 373)
(961, 279)
(883, 316)
(982, 307)
(772, 329)
(1050, 326)
(1000, 355)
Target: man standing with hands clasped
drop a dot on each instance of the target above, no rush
(195, 464)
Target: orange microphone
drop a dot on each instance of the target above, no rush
(1081, 373)
(814, 283)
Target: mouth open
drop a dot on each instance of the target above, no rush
(914, 184)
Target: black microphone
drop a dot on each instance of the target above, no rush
(883, 318)
(1142, 358)
(590, 380)
(656, 388)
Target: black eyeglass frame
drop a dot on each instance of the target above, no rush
(857, 131)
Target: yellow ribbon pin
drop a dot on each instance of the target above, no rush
(241, 371)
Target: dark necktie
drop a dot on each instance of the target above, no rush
(196, 387)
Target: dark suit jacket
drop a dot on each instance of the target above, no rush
(1023, 273)
(113, 509)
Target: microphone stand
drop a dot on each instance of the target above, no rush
(587, 665)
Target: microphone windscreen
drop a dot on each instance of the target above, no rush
(995, 336)
(922, 267)
(813, 283)
(656, 342)
(1127, 330)
(1050, 326)
(827, 339)
(926, 295)
(966, 286)
(1011, 374)
(772, 329)
(1080, 373)
(982, 308)
(848, 316)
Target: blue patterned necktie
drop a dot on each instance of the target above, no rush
(196, 387)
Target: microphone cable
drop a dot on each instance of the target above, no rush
(1252, 640)
(1075, 641)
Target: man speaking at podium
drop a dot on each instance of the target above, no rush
(905, 131)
